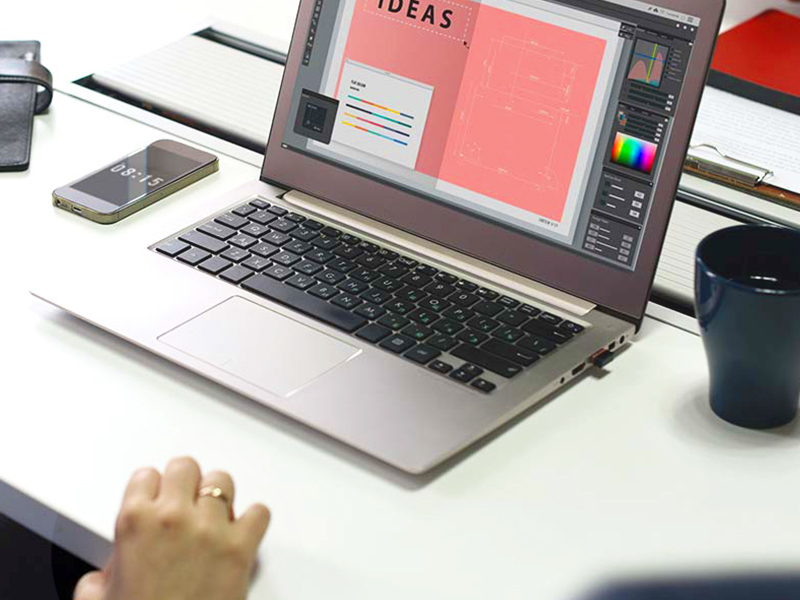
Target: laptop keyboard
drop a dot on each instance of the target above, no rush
(449, 325)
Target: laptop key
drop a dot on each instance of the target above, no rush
(368, 247)
(305, 303)
(467, 286)
(416, 279)
(283, 226)
(256, 263)
(308, 268)
(472, 337)
(353, 286)
(487, 294)
(279, 272)
(255, 230)
(547, 331)
(512, 317)
(215, 230)
(193, 256)
(326, 243)
(262, 217)
(351, 240)
(509, 352)
(435, 304)
(443, 342)
(244, 210)
(235, 255)
(458, 314)
(348, 252)
(330, 277)
(442, 290)
(204, 242)
(331, 232)
(422, 354)
(297, 246)
(448, 327)
(371, 261)
(376, 296)
(401, 307)
(508, 302)
(373, 333)
(483, 324)
(508, 334)
(423, 317)
(342, 265)
(406, 262)
(277, 210)
(550, 318)
(393, 270)
(397, 343)
(370, 311)
(573, 328)
(489, 309)
(393, 321)
(324, 291)
(539, 345)
(446, 278)
(411, 294)
(365, 275)
(264, 249)
(312, 224)
(388, 284)
(172, 247)
(388, 254)
(286, 259)
(320, 256)
(464, 299)
(490, 362)
(527, 309)
(296, 218)
(466, 373)
(243, 241)
(417, 332)
(301, 282)
(259, 203)
(347, 301)
(440, 367)
(304, 234)
(276, 238)
(236, 274)
(233, 221)
(487, 387)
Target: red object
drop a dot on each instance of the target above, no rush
(764, 50)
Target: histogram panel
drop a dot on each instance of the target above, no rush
(647, 65)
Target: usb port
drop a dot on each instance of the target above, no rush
(578, 370)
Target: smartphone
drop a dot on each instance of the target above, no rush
(136, 181)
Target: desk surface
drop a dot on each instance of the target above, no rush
(624, 473)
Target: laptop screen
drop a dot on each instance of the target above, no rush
(548, 118)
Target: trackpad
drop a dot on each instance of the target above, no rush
(259, 345)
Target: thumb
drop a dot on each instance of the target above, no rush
(92, 586)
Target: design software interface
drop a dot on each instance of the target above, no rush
(547, 117)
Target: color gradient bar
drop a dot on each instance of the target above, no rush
(391, 110)
(386, 137)
(374, 114)
(634, 153)
(352, 116)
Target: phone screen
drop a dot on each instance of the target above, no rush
(136, 176)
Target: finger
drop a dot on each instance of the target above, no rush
(253, 525)
(181, 480)
(91, 586)
(221, 507)
(143, 485)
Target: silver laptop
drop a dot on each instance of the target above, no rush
(460, 211)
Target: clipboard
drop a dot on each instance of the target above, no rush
(738, 68)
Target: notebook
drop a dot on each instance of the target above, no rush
(205, 84)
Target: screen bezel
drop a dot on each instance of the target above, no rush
(620, 291)
(104, 207)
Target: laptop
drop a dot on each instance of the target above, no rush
(460, 211)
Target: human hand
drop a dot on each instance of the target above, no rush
(171, 545)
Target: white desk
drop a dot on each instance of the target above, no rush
(625, 473)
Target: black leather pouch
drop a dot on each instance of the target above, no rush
(26, 89)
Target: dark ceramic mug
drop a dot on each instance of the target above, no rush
(747, 296)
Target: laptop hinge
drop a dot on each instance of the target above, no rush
(440, 256)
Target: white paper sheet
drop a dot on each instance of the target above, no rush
(752, 132)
